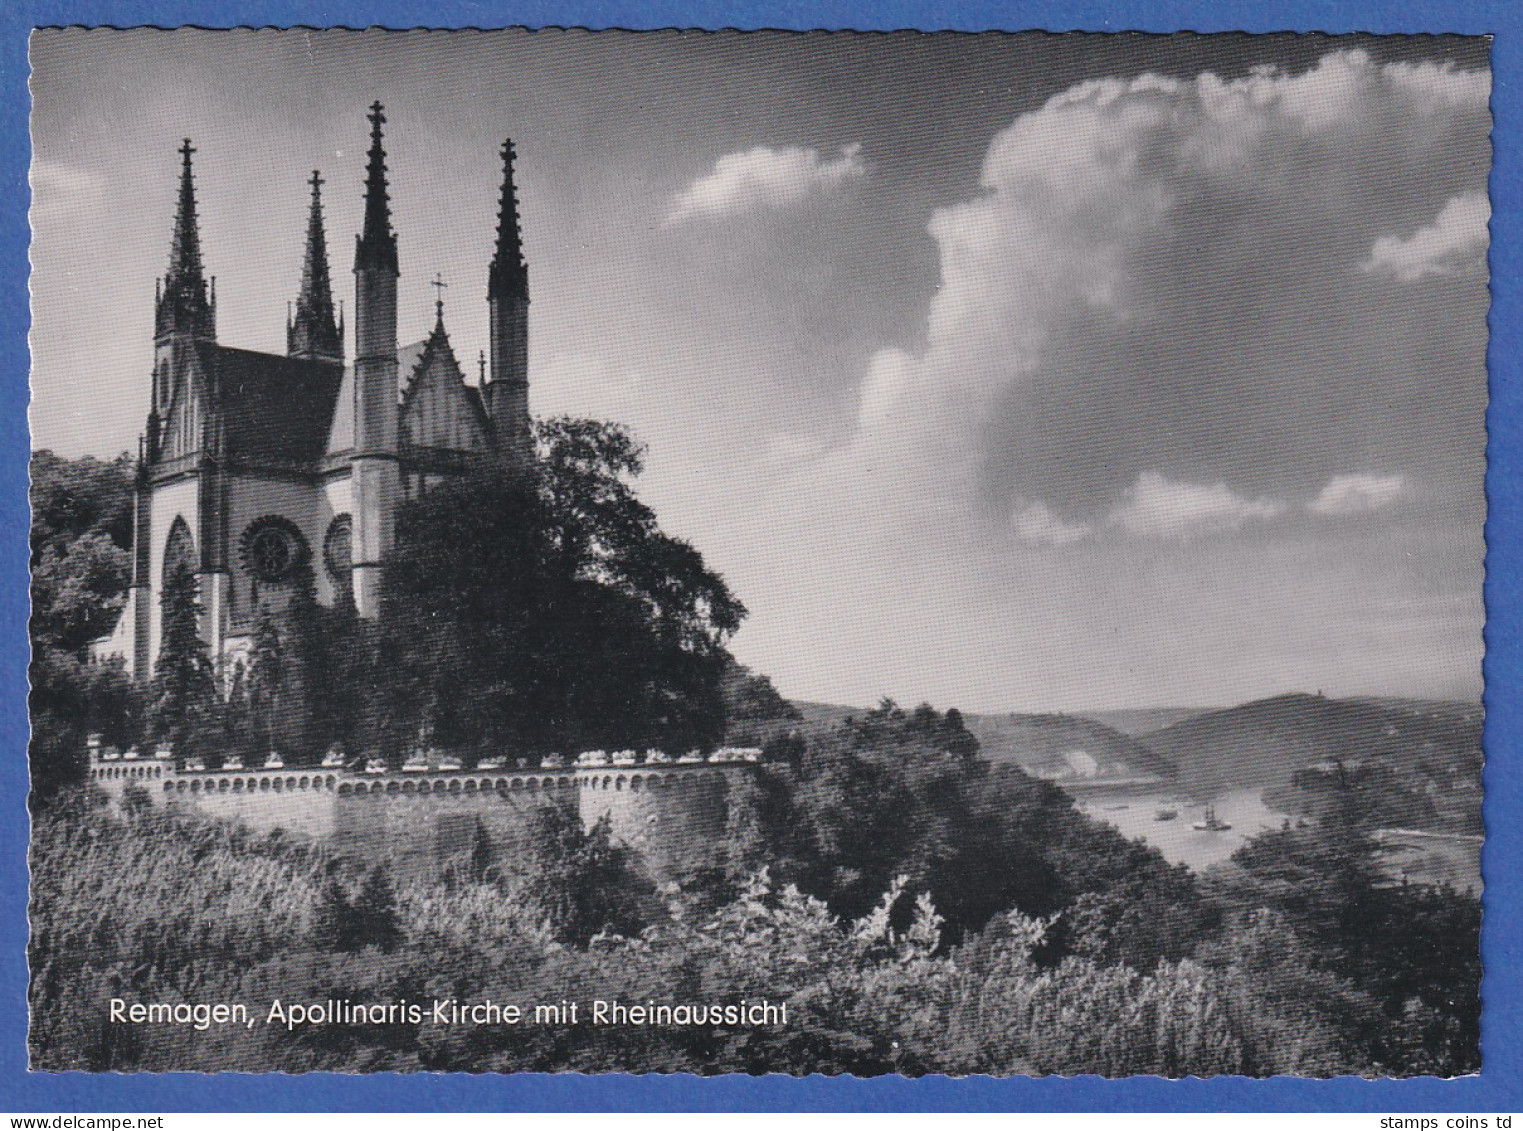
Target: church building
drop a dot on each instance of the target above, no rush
(255, 467)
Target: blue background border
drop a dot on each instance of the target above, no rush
(1499, 1087)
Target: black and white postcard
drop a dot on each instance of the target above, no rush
(701, 552)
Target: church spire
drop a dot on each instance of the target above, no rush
(509, 274)
(313, 333)
(376, 247)
(182, 303)
(373, 463)
(507, 395)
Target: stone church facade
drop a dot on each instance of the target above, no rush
(256, 467)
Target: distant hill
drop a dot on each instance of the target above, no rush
(1141, 720)
(824, 716)
(1061, 747)
(1424, 755)
(1263, 743)
(1065, 747)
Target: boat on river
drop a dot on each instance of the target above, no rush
(1211, 824)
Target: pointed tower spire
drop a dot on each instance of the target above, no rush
(509, 274)
(507, 395)
(183, 304)
(373, 461)
(312, 331)
(377, 244)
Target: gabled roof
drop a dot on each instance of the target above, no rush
(411, 362)
(277, 409)
(458, 420)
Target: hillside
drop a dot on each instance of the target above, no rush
(1065, 748)
(1141, 720)
(824, 716)
(1434, 747)
(1060, 747)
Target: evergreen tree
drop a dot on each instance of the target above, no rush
(266, 675)
(308, 680)
(375, 921)
(332, 918)
(343, 697)
(184, 691)
(236, 722)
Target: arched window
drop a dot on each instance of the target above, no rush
(338, 549)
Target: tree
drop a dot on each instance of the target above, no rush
(339, 698)
(71, 496)
(78, 591)
(545, 610)
(369, 918)
(266, 675)
(308, 677)
(80, 534)
(184, 687)
(580, 881)
(754, 711)
(237, 719)
(375, 920)
(71, 699)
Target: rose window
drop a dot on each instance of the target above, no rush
(272, 549)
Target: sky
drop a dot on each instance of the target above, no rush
(1006, 372)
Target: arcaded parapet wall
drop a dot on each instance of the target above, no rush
(299, 801)
(423, 823)
(672, 815)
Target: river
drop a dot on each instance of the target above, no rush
(1135, 814)
(1421, 858)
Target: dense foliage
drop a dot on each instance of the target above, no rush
(887, 990)
(523, 613)
(81, 537)
(917, 909)
(183, 706)
(529, 614)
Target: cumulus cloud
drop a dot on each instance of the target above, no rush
(1158, 507)
(1150, 350)
(1156, 274)
(1356, 494)
(764, 177)
(60, 191)
(1455, 241)
(1037, 525)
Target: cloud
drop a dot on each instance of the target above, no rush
(1149, 351)
(1357, 494)
(1036, 525)
(1456, 241)
(764, 177)
(61, 192)
(1155, 274)
(1158, 507)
